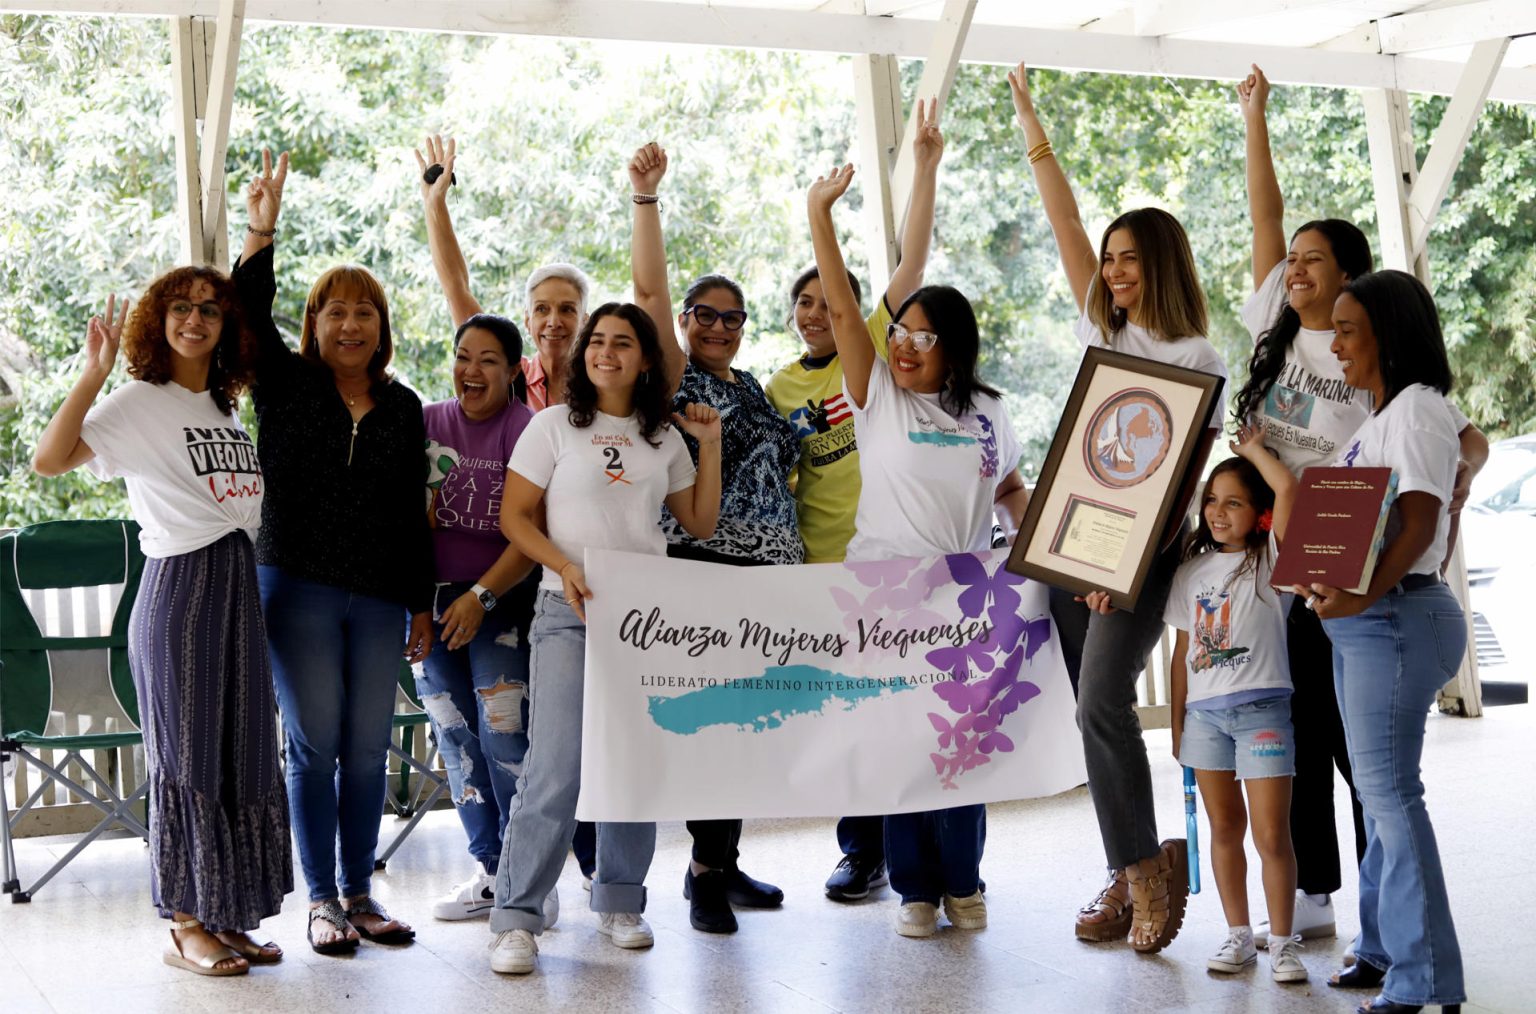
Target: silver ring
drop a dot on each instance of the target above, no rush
(1312, 601)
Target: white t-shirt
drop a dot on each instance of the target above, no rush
(929, 479)
(1416, 435)
(1236, 625)
(191, 471)
(603, 485)
(1309, 412)
(1135, 340)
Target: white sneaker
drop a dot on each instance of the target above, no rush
(472, 899)
(1285, 960)
(969, 913)
(1312, 920)
(626, 929)
(552, 907)
(1234, 955)
(917, 919)
(514, 952)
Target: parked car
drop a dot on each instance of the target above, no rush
(1498, 530)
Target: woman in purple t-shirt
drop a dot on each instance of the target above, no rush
(475, 688)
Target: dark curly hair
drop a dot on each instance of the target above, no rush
(1352, 252)
(1257, 541)
(652, 396)
(149, 353)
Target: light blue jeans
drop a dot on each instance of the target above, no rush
(1388, 664)
(477, 700)
(543, 817)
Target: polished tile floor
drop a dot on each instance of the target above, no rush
(89, 942)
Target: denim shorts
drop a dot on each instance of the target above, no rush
(1254, 739)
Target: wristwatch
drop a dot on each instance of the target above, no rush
(486, 596)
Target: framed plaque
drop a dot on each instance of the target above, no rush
(1117, 472)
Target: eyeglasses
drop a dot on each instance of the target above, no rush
(181, 309)
(922, 341)
(705, 315)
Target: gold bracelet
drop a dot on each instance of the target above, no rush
(1047, 153)
(1037, 149)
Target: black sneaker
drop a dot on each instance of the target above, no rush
(745, 892)
(853, 880)
(709, 910)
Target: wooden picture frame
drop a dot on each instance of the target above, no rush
(1133, 434)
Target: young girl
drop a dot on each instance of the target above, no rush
(922, 498)
(1231, 692)
(598, 468)
(220, 859)
(1138, 293)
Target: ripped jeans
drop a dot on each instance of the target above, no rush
(477, 700)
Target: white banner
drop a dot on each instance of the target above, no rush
(823, 690)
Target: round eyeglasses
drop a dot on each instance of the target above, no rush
(210, 311)
(922, 341)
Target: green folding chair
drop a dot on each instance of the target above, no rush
(419, 786)
(66, 592)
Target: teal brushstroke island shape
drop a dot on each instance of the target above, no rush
(942, 439)
(762, 709)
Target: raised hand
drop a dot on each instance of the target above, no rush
(440, 153)
(827, 189)
(928, 144)
(1018, 85)
(103, 336)
(264, 197)
(1249, 442)
(701, 422)
(647, 168)
(1253, 92)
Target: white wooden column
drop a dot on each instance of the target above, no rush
(1407, 200)
(204, 58)
(885, 134)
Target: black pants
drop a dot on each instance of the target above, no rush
(862, 838)
(714, 841)
(1319, 749)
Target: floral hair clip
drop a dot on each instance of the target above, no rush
(1266, 521)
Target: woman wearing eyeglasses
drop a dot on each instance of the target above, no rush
(757, 523)
(922, 498)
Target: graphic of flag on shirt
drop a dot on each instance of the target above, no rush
(837, 409)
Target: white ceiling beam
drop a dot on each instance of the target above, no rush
(1394, 168)
(877, 105)
(891, 8)
(1456, 26)
(1170, 17)
(216, 117)
(941, 63)
(753, 28)
(1451, 138)
(186, 98)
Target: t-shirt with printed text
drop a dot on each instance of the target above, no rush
(191, 471)
(1192, 353)
(602, 483)
(467, 466)
(1235, 622)
(827, 477)
(929, 478)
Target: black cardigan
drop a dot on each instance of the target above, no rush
(360, 526)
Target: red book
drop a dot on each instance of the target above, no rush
(1336, 528)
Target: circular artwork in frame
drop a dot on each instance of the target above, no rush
(1128, 438)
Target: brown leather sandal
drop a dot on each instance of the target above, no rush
(1159, 890)
(1108, 916)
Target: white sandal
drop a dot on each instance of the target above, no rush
(206, 965)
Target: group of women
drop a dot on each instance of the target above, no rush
(338, 547)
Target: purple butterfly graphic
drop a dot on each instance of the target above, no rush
(854, 610)
(882, 573)
(981, 587)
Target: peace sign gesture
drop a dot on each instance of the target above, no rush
(264, 196)
(928, 142)
(103, 335)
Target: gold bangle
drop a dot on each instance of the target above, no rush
(1047, 153)
(1038, 148)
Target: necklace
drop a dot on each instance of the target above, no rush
(350, 397)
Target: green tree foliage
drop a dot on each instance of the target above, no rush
(545, 128)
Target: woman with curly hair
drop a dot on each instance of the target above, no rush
(220, 854)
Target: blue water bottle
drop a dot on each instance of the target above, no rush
(1191, 830)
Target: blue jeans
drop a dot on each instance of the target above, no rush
(543, 814)
(477, 700)
(936, 852)
(336, 659)
(1388, 664)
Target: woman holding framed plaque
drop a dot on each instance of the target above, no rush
(938, 459)
(1139, 294)
(1395, 646)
